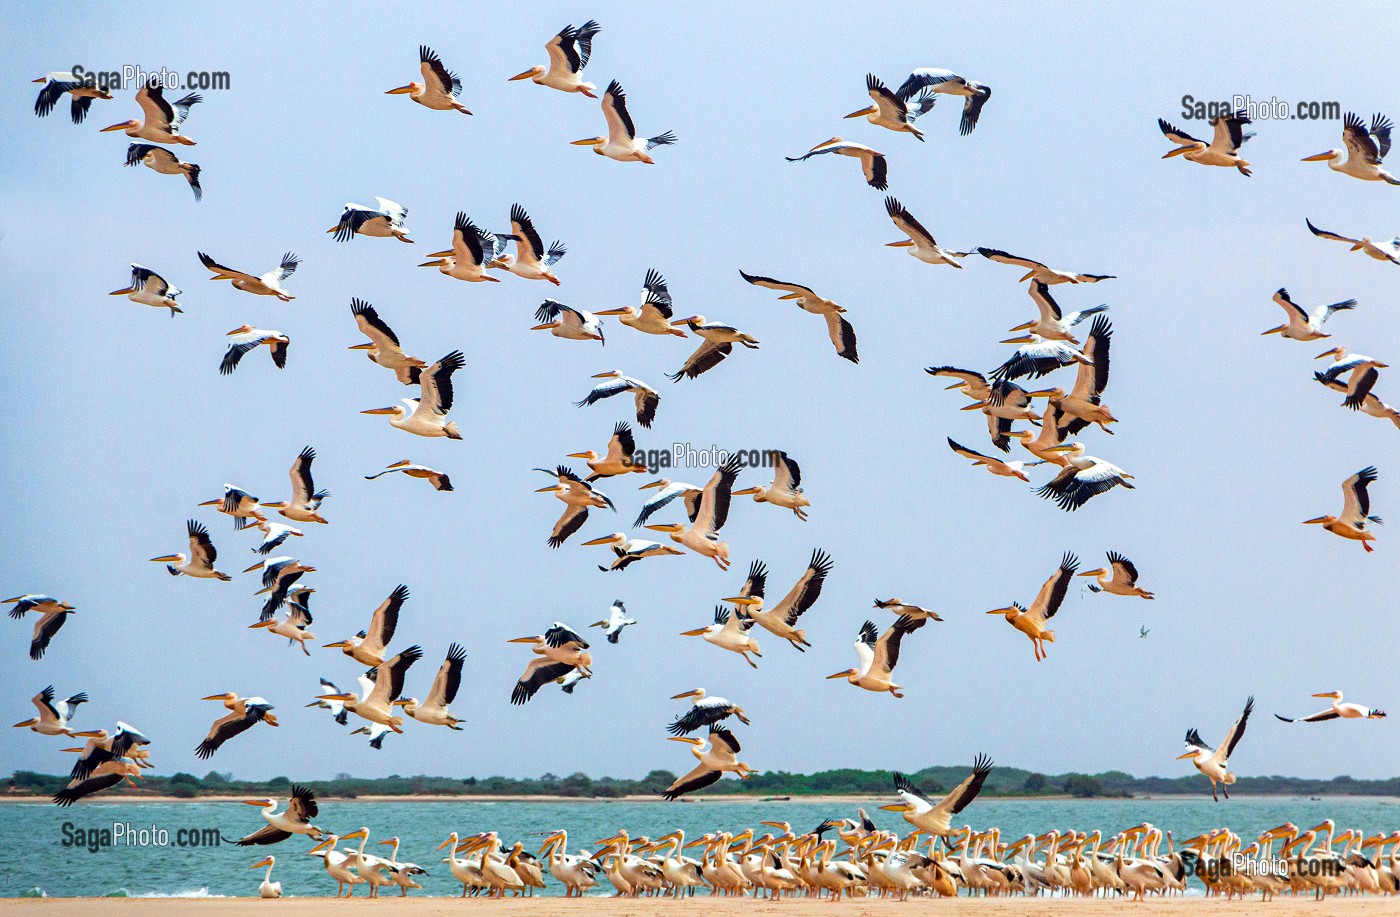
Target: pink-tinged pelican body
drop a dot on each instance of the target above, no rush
(440, 86)
(1215, 762)
(1356, 508)
(1224, 148)
(1337, 710)
(568, 55)
(622, 143)
(426, 415)
(1365, 148)
(163, 120)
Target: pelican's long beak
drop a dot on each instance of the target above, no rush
(1318, 521)
(1176, 152)
(1278, 330)
(869, 110)
(257, 802)
(340, 697)
(686, 739)
(683, 695)
(215, 697)
(1099, 572)
(547, 490)
(122, 292)
(743, 600)
(114, 127)
(211, 503)
(365, 346)
(904, 243)
(841, 674)
(1316, 157)
(164, 559)
(524, 640)
(402, 90)
(591, 141)
(622, 311)
(607, 540)
(355, 835)
(381, 411)
(699, 632)
(1185, 755)
(265, 861)
(1018, 340)
(27, 723)
(745, 491)
(1331, 694)
(522, 76)
(897, 807)
(91, 733)
(436, 262)
(339, 644)
(579, 455)
(1061, 448)
(267, 623)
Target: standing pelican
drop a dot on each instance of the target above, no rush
(1038, 271)
(730, 631)
(872, 162)
(433, 710)
(842, 335)
(716, 756)
(615, 382)
(1215, 763)
(616, 620)
(621, 458)
(1365, 148)
(702, 535)
(163, 120)
(246, 338)
(294, 625)
(705, 710)
(920, 242)
(369, 646)
(1381, 251)
(269, 284)
(337, 864)
(781, 619)
(630, 550)
(426, 415)
(1356, 509)
(243, 714)
(306, 499)
(439, 480)
(568, 55)
(785, 490)
(440, 87)
(1224, 148)
(200, 562)
(268, 888)
(383, 221)
(1303, 326)
(239, 504)
(975, 94)
(54, 716)
(294, 819)
(150, 289)
(567, 322)
(578, 497)
(160, 160)
(879, 654)
(934, 816)
(653, 316)
(63, 81)
(719, 341)
(383, 345)
(532, 261)
(473, 248)
(892, 112)
(1118, 578)
(51, 616)
(1337, 710)
(1016, 469)
(621, 143)
(1032, 621)
(1084, 478)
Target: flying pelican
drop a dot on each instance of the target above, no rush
(892, 112)
(1381, 251)
(653, 316)
(1118, 578)
(1356, 508)
(244, 713)
(879, 654)
(150, 289)
(159, 159)
(1041, 272)
(433, 710)
(200, 562)
(294, 819)
(102, 747)
(1004, 403)
(384, 221)
(247, 338)
(621, 143)
(920, 242)
(473, 248)
(730, 631)
(268, 888)
(616, 620)
(1301, 325)
(974, 94)
(294, 625)
(781, 620)
(274, 534)
(702, 535)
(541, 671)
(578, 497)
(630, 550)
(383, 345)
(668, 491)
(719, 341)
(105, 776)
(532, 261)
(336, 708)
(306, 499)
(558, 652)
(51, 615)
(843, 336)
(163, 120)
(1085, 477)
(568, 55)
(239, 504)
(1364, 149)
(785, 490)
(1215, 763)
(1370, 404)
(872, 162)
(646, 398)
(972, 384)
(376, 733)
(899, 607)
(439, 480)
(54, 716)
(369, 648)
(1144, 631)
(1032, 621)
(716, 756)
(381, 692)
(567, 322)
(1363, 370)
(61, 81)
(279, 575)
(1337, 710)
(1054, 325)
(1224, 148)
(440, 86)
(1016, 469)
(269, 284)
(560, 643)
(934, 816)
(1069, 414)
(705, 711)
(1038, 357)
(569, 680)
(426, 415)
(621, 458)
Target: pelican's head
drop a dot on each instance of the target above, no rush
(530, 74)
(268, 860)
(394, 410)
(868, 110)
(227, 697)
(412, 89)
(1009, 611)
(241, 329)
(588, 455)
(659, 482)
(1101, 571)
(692, 321)
(1335, 352)
(610, 374)
(125, 125)
(614, 538)
(1321, 520)
(1329, 156)
(697, 693)
(846, 674)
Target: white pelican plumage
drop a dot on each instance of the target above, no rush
(473, 248)
(842, 335)
(621, 457)
(531, 261)
(279, 575)
(162, 119)
(570, 679)
(785, 490)
(160, 160)
(426, 415)
(294, 819)
(377, 703)
(653, 316)
(718, 343)
(578, 497)
(1031, 621)
(51, 615)
(781, 619)
(705, 710)
(1364, 372)
(666, 491)
(616, 620)
(439, 480)
(1381, 251)
(879, 654)
(1365, 148)
(1085, 477)
(54, 716)
(383, 346)
(575, 873)
(383, 221)
(920, 242)
(401, 873)
(1224, 148)
(892, 112)
(1005, 403)
(622, 143)
(336, 708)
(274, 535)
(568, 55)
(369, 646)
(306, 499)
(1355, 519)
(372, 869)
(730, 631)
(268, 888)
(615, 382)
(718, 755)
(558, 651)
(1016, 469)
(974, 94)
(243, 714)
(104, 776)
(433, 709)
(898, 607)
(239, 504)
(1083, 404)
(630, 550)
(440, 87)
(567, 322)
(337, 863)
(1054, 325)
(1038, 357)
(934, 816)
(1337, 710)
(463, 870)
(103, 747)
(376, 733)
(1118, 578)
(64, 81)
(1038, 271)
(1302, 325)
(702, 535)
(269, 284)
(200, 561)
(294, 625)
(1370, 404)
(246, 338)
(150, 289)
(1215, 762)
(872, 162)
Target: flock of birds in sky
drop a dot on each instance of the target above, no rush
(1045, 423)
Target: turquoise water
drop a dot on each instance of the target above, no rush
(56, 869)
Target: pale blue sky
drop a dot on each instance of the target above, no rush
(120, 423)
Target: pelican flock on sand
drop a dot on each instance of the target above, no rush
(1038, 441)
